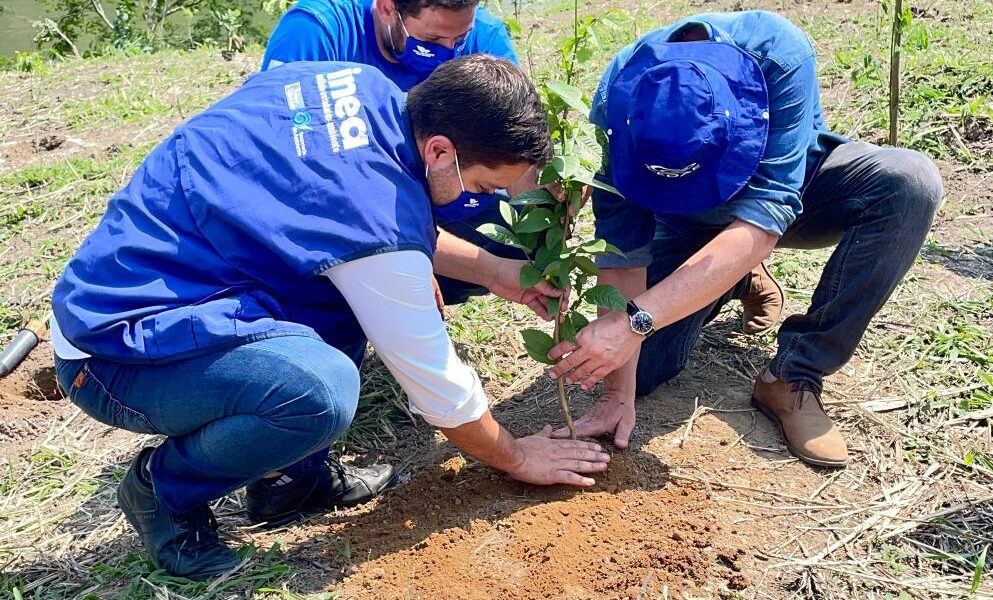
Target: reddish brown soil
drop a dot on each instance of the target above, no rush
(30, 401)
(468, 534)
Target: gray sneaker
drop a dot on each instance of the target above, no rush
(184, 545)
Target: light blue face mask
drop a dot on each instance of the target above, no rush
(420, 56)
(467, 206)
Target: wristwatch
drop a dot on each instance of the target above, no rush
(642, 321)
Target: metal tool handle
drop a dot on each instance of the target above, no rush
(17, 350)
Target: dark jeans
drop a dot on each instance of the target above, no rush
(230, 417)
(876, 204)
(455, 291)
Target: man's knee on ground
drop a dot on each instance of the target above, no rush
(915, 180)
(316, 396)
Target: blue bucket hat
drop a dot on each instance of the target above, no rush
(687, 123)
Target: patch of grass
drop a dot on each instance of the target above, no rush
(947, 81)
(45, 210)
(124, 104)
(134, 577)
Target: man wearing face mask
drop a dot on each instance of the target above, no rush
(221, 297)
(407, 40)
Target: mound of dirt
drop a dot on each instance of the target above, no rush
(30, 400)
(454, 532)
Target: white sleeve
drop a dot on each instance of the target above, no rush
(392, 297)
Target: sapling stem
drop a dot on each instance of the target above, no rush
(556, 335)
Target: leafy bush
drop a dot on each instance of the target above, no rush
(145, 25)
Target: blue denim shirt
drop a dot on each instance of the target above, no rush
(798, 140)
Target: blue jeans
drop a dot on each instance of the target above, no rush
(876, 204)
(229, 417)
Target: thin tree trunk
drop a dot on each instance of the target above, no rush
(98, 8)
(895, 43)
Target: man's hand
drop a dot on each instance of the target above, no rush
(604, 345)
(547, 461)
(614, 414)
(506, 283)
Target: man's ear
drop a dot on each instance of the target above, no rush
(439, 152)
(386, 10)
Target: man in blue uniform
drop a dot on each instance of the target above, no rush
(406, 40)
(718, 145)
(220, 299)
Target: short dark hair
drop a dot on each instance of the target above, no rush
(413, 7)
(487, 107)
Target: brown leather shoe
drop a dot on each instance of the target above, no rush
(810, 434)
(763, 305)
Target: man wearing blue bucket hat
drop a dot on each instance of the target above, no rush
(225, 297)
(718, 145)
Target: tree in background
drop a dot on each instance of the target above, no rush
(146, 25)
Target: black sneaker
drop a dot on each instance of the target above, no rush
(281, 500)
(184, 545)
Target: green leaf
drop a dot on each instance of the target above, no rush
(601, 247)
(538, 344)
(513, 27)
(545, 256)
(565, 166)
(580, 284)
(501, 235)
(614, 249)
(548, 175)
(584, 54)
(529, 239)
(508, 213)
(538, 196)
(977, 574)
(553, 305)
(595, 246)
(606, 296)
(530, 276)
(576, 201)
(588, 178)
(553, 269)
(553, 239)
(564, 272)
(567, 331)
(586, 265)
(570, 95)
(579, 320)
(538, 219)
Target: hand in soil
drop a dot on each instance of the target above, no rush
(549, 461)
(613, 415)
(604, 345)
(507, 285)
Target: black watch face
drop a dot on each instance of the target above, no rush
(642, 322)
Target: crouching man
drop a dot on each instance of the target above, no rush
(717, 142)
(220, 300)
